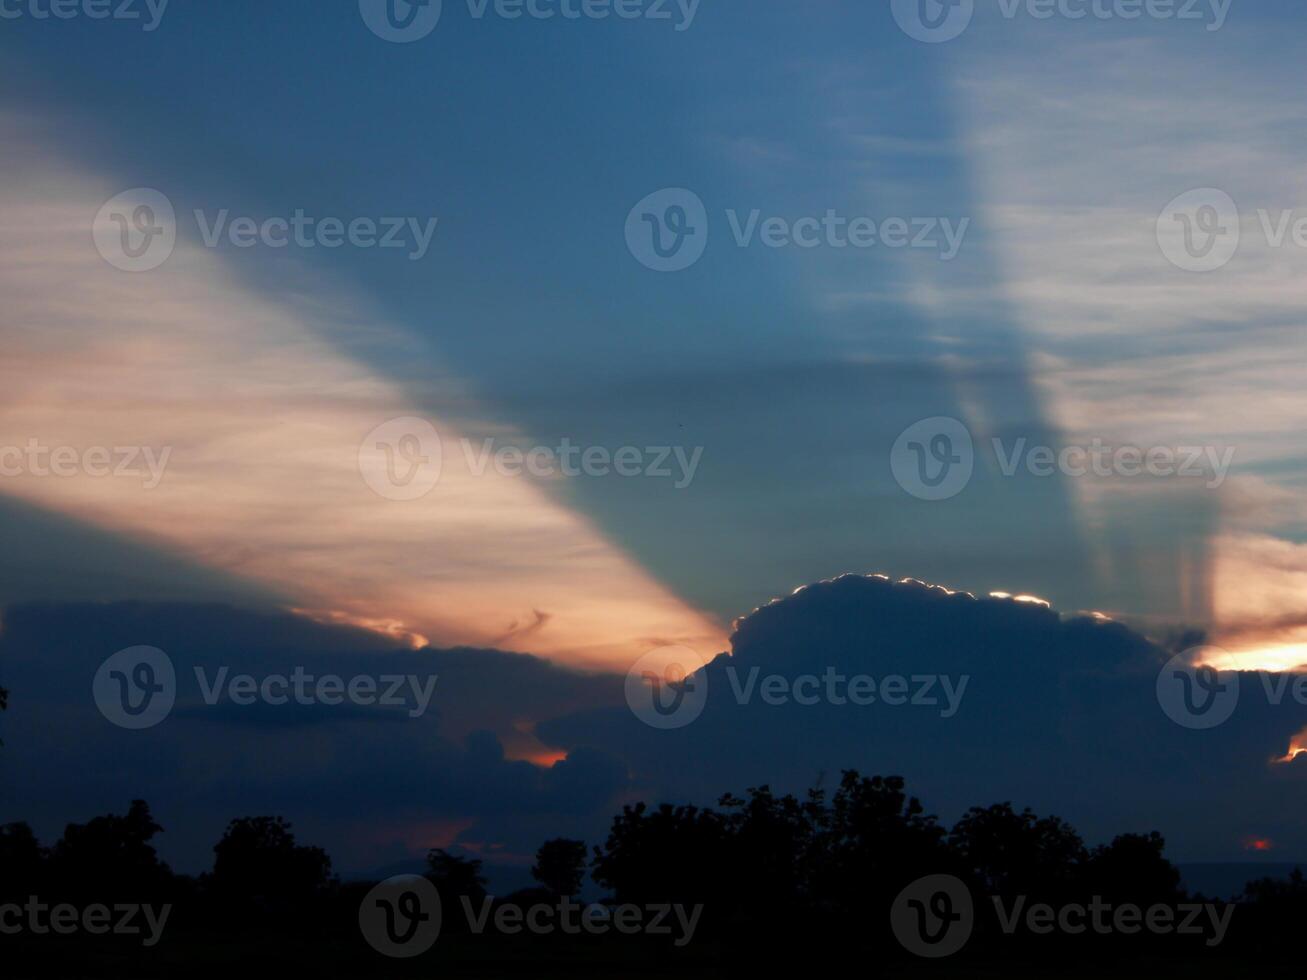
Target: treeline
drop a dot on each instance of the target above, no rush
(774, 875)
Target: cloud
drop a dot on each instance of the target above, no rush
(1059, 713)
(263, 416)
(370, 782)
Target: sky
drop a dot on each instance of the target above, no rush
(502, 427)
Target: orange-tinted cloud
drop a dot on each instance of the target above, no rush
(263, 419)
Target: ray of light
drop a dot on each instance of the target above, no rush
(263, 421)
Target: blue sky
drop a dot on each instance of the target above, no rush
(1053, 145)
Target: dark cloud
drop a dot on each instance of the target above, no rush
(361, 780)
(1059, 713)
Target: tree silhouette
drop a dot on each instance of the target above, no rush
(258, 858)
(1132, 868)
(560, 866)
(672, 854)
(21, 861)
(110, 856)
(1009, 853)
(791, 871)
(456, 878)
